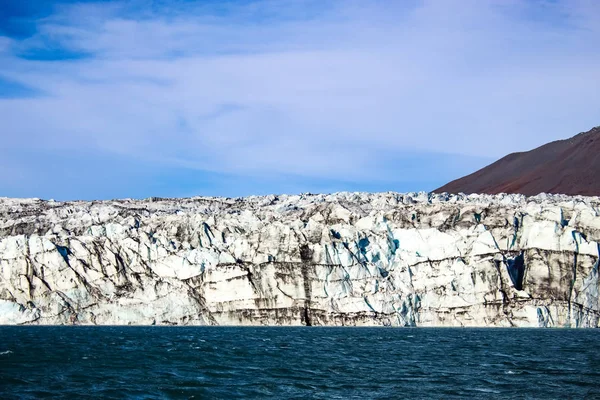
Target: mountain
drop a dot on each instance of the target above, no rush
(570, 166)
(346, 259)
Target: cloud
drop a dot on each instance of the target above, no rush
(14, 90)
(268, 89)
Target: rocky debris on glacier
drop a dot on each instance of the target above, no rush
(415, 259)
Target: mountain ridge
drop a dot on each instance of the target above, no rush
(567, 166)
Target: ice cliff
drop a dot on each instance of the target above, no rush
(341, 259)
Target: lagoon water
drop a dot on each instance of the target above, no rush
(320, 363)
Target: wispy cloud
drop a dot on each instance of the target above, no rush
(318, 90)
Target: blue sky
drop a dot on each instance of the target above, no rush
(180, 98)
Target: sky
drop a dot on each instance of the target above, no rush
(131, 99)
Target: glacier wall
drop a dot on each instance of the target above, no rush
(386, 259)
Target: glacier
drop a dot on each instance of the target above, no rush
(343, 259)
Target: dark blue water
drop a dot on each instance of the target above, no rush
(321, 363)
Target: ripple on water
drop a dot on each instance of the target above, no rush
(128, 362)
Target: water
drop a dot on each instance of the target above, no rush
(320, 363)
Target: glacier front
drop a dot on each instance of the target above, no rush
(346, 259)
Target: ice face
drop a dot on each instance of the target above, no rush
(415, 259)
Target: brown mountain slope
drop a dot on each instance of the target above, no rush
(570, 166)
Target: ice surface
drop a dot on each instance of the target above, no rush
(343, 259)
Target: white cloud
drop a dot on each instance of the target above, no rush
(276, 86)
